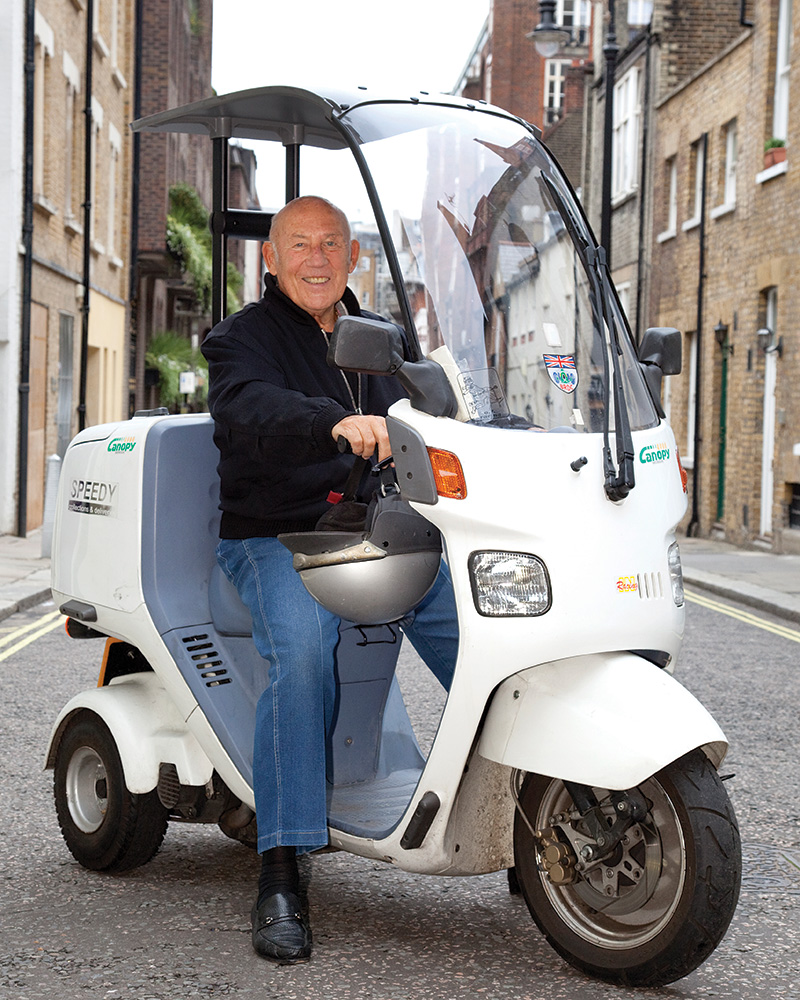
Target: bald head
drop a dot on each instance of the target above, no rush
(310, 252)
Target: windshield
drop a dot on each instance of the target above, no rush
(494, 258)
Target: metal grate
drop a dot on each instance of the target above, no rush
(205, 657)
(650, 586)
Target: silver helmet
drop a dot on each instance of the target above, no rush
(372, 576)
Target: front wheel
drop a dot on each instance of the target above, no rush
(106, 827)
(655, 909)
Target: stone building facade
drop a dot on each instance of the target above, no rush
(77, 342)
(725, 272)
(12, 127)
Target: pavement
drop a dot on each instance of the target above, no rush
(755, 577)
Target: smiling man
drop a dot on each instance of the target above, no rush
(279, 410)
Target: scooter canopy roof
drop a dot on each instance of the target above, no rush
(291, 115)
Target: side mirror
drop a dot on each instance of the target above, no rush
(659, 355)
(376, 348)
(366, 345)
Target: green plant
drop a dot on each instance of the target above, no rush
(774, 143)
(170, 354)
(189, 241)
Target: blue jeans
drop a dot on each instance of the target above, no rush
(297, 638)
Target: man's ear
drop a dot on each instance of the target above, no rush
(268, 253)
(355, 250)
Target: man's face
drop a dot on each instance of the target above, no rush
(311, 257)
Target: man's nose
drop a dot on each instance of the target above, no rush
(316, 255)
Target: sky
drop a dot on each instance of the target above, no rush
(395, 48)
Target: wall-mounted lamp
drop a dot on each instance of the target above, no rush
(767, 342)
(548, 36)
(721, 337)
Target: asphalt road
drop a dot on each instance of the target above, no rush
(179, 926)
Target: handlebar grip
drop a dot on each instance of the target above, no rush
(343, 445)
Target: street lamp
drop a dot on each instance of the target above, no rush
(548, 37)
(610, 50)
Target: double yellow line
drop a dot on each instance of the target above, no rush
(21, 637)
(743, 616)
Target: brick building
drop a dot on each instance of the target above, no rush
(725, 267)
(700, 223)
(174, 67)
(505, 69)
(77, 340)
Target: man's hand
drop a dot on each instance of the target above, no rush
(365, 434)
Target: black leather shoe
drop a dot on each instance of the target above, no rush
(280, 931)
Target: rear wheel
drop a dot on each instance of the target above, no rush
(658, 906)
(106, 827)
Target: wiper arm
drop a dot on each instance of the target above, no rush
(618, 484)
(620, 479)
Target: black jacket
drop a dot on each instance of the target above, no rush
(274, 401)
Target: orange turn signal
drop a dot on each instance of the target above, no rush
(448, 474)
(684, 477)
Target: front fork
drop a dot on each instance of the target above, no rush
(575, 843)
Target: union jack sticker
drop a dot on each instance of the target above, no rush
(562, 371)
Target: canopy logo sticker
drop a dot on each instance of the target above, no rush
(91, 497)
(562, 371)
(627, 585)
(654, 453)
(121, 444)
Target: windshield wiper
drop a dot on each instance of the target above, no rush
(619, 479)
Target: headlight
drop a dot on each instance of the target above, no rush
(676, 574)
(509, 584)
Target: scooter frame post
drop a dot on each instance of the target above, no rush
(219, 240)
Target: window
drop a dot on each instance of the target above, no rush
(43, 52)
(625, 160)
(71, 170)
(65, 365)
(624, 295)
(554, 70)
(576, 16)
(115, 147)
(697, 161)
(783, 58)
(731, 156)
(97, 125)
(639, 13)
(671, 189)
(727, 171)
(794, 505)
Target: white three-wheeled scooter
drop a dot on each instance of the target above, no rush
(532, 451)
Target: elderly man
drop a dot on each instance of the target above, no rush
(279, 410)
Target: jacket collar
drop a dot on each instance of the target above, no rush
(273, 296)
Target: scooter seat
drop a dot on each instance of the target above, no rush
(229, 615)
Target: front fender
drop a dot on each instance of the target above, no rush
(147, 729)
(609, 720)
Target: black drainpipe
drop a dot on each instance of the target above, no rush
(694, 524)
(640, 280)
(133, 285)
(27, 276)
(87, 215)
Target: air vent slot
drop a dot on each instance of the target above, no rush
(204, 655)
(650, 586)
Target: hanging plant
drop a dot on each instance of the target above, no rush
(170, 354)
(189, 241)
